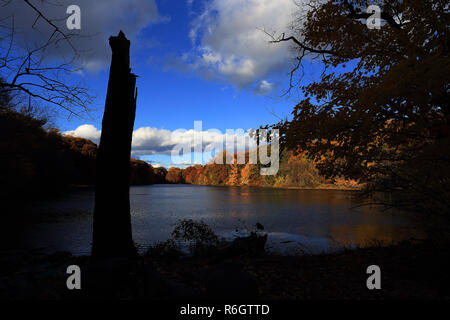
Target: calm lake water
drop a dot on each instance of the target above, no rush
(311, 221)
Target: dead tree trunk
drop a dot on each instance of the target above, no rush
(112, 221)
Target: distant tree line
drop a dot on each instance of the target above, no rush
(296, 170)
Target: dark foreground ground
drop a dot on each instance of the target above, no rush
(409, 270)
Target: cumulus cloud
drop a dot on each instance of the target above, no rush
(86, 131)
(152, 141)
(99, 20)
(156, 165)
(229, 43)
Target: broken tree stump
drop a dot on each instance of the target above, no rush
(112, 235)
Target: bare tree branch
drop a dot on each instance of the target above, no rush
(50, 22)
(31, 72)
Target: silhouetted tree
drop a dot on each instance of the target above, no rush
(112, 221)
(380, 110)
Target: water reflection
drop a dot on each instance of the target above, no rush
(313, 220)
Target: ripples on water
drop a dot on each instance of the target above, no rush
(310, 221)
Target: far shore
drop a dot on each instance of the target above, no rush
(320, 187)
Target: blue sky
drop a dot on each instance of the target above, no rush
(205, 60)
(171, 98)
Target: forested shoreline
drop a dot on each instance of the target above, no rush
(38, 161)
(49, 161)
(295, 171)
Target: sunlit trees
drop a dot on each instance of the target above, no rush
(174, 175)
(216, 173)
(301, 171)
(250, 175)
(191, 174)
(296, 170)
(234, 174)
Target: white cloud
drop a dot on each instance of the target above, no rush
(264, 87)
(230, 45)
(152, 141)
(86, 131)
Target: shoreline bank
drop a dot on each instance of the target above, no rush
(321, 187)
(408, 271)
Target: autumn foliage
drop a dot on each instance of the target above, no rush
(174, 175)
(296, 170)
(379, 111)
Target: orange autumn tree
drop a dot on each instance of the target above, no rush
(174, 175)
(300, 170)
(380, 110)
(234, 175)
(296, 170)
(216, 173)
(191, 174)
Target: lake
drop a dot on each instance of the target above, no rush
(310, 221)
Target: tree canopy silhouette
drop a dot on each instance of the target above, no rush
(380, 110)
